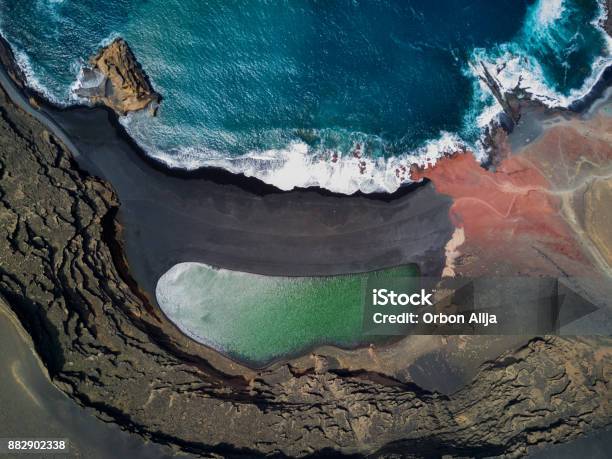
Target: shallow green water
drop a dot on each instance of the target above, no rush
(258, 318)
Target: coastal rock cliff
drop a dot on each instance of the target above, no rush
(61, 271)
(116, 80)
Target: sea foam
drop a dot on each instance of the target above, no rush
(296, 166)
(514, 66)
(31, 79)
(549, 11)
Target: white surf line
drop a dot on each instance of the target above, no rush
(16, 96)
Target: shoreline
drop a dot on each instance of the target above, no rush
(225, 173)
(317, 218)
(164, 332)
(316, 232)
(70, 120)
(214, 174)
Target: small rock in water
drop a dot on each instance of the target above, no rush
(116, 80)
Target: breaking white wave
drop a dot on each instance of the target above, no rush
(83, 84)
(549, 11)
(87, 80)
(70, 95)
(296, 167)
(514, 66)
(31, 80)
(513, 71)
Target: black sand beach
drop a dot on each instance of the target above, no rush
(169, 216)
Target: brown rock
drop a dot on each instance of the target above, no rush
(598, 217)
(125, 87)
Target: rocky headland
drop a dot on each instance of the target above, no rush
(64, 272)
(115, 79)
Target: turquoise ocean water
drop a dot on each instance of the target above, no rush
(289, 91)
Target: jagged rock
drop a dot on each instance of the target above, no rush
(61, 271)
(507, 100)
(116, 80)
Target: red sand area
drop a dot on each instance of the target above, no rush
(510, 218)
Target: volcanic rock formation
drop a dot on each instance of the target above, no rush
(116, 80)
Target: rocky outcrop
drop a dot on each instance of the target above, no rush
(116, 80)
(62, 272)
(508, 100)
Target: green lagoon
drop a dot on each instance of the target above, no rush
(256, 319)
